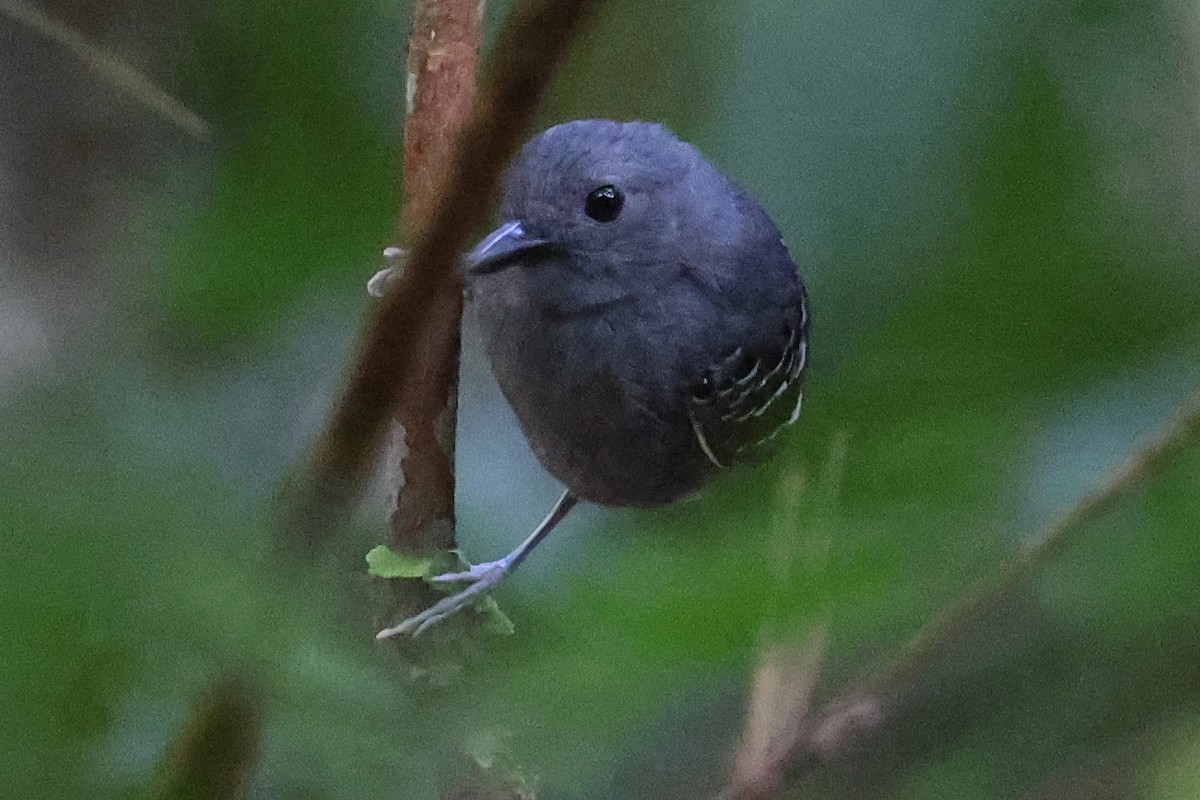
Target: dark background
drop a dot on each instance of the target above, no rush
(994, 204)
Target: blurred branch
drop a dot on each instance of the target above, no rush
(789, 662)
(215, 756)
(778, 707)
(845, 722)
(787, 670)
(1144, 464)
(110, 67)
(417, 316)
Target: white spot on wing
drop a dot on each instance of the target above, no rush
(700, 437)
(783, 387)
(796, 411)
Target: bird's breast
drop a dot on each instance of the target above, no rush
(600, 404)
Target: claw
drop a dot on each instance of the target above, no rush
(395, 258)
(483, 578)
(477, 572)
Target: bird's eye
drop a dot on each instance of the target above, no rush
(604, 204)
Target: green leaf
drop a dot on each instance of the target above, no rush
(383, 562)
(486, 747)
(492, 752)
(494, 620)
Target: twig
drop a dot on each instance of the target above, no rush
(1145, 463)
(109, 66)
(412, 317)
(842, 724)
(789, 661)
(787, 669)
(779, 704)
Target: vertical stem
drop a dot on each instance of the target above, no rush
(439, 90)
(443, 56)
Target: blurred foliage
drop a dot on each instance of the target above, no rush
(994, 206)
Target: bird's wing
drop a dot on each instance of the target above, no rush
(744, 400)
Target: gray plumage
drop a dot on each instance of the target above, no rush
(614, 341)
(642, 316)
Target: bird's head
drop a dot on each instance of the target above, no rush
(593, 210)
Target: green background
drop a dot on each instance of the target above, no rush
(994, 205)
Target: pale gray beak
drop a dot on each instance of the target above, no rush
(502, 248)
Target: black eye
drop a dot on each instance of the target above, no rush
(604, 204)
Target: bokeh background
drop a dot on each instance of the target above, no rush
(995, 206)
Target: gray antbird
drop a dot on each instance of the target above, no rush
(642, 317)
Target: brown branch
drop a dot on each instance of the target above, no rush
(443, 52)
(413, 318)
(841, 725)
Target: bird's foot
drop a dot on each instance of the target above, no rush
(482, 577)
(395, 259)
(490, 572)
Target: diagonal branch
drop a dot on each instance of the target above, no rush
(1143, 465)
(413, 316)
(843, 723)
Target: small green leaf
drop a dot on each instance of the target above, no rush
(494, 620)
(492, 752)
(484, 747)
(383, 562)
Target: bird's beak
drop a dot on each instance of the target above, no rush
(502, 248)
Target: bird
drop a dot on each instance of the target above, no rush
(643, 318)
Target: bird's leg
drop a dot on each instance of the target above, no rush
(482, 577)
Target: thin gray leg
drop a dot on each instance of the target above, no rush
(482, 577)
